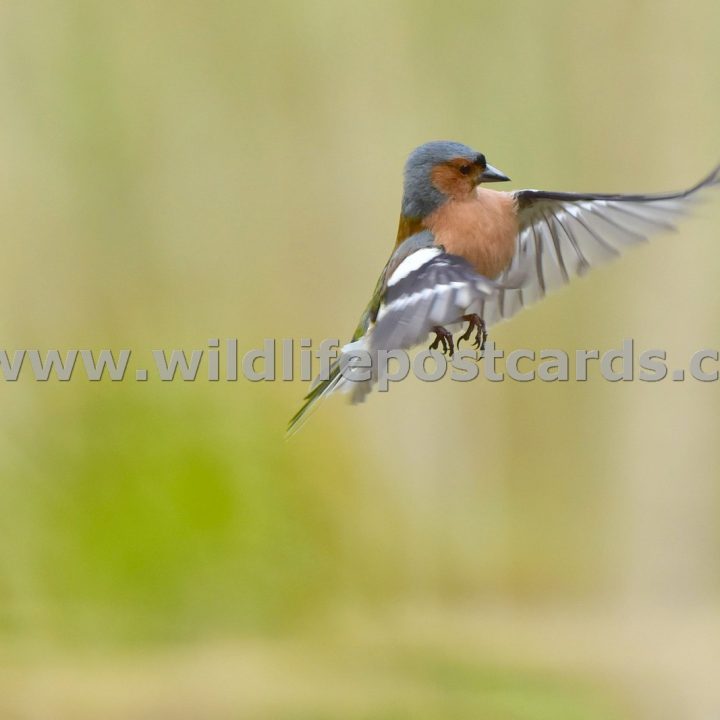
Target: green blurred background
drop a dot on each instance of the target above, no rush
(174, 172)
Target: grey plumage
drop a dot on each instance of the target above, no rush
(421, 197)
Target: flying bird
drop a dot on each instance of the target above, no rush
(465, 253)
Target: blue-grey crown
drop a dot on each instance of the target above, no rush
(420, 196)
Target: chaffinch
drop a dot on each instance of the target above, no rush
(465, 253)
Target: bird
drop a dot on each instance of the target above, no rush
(465, 253)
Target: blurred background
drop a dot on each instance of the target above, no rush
(175, 172)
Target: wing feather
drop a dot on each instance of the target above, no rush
(438, 291)
(562, 235)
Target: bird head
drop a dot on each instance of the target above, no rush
(438, 171)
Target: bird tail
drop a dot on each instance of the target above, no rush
(317, 392)
(339, 379)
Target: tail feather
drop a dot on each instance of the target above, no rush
(312, 400)
(339, 379)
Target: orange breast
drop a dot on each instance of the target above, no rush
(482, 229)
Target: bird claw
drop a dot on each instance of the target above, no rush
(475, 322)
(444, 337)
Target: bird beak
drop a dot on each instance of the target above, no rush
(491, 174)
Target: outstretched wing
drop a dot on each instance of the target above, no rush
(562, 235)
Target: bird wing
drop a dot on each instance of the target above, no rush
(562, 235)
(420, 287)
(429, 287)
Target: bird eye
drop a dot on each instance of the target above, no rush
(465, 169)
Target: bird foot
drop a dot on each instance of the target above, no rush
(444, 337)
(475, 322)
